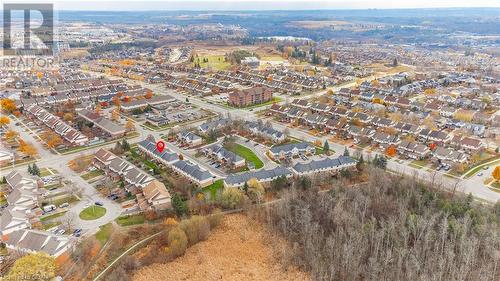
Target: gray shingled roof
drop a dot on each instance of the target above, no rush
(325, 163)
(241, 178)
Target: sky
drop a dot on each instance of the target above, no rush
(127, 5)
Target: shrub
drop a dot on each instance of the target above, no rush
(177, 242)
(232, 198)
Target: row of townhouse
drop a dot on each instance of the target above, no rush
(188, 85)
(292, 150)
(211, 82)
(111, 128)
(361, 126)
(312, 168)
(224, 156)
(104, 93)
(191, 171)
(150, 193)
(21, 214)
(259, 129)
(68, 133)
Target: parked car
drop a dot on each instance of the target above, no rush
(99, 203)
(61, 231)
(49, 208)
(64, 205)
(480, 174)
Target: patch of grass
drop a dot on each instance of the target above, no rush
(52, 186)
(104, 233)
(496, 184)
(418, 164)
(92, 213)
(213, 61)
(92, 174)
(69, 198)
(52, 216)
(130, 220)
(45, 172)
(218, 184)
(476, 169)
(246, 153)
(51, 224)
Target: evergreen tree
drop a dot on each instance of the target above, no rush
(395, 62)
(346, 152)
(245, 188)
(179, 205)
(35, 170)
(30, 169)
(360, 163)
(326, 147)
(125, 145)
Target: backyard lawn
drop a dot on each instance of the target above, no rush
(92, 213)
(246, 153)
(104, 233)
(130, 220)
(219, 184)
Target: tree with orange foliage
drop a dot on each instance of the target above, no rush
(430, 91)
(52, 139)
(115, 114)
(4, 120)
(10, 134)
(68, 116)
(116, 100)
(17, 113)
(98, 108)
(149, 94)
(496, 173)
(27, 148)
(8, 105)
(391, 150)
(130, 126)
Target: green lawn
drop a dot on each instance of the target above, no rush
(92, 213)
(92, 174)
(130, 220)
(53, 216)
(219, 184)
(246, 153)
(104, 233)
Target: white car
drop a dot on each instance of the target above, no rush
(61, 231)
(86, 205)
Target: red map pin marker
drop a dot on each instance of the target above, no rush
(160, 145)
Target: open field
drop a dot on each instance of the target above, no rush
(236, 250)
(216, 62)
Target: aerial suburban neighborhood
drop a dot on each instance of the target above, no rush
(302, 144)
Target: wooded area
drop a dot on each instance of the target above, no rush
(393, 228)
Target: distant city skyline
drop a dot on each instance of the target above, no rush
(221, 5)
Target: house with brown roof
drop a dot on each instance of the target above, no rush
(157, 195)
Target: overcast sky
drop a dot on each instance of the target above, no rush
(259, 4)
